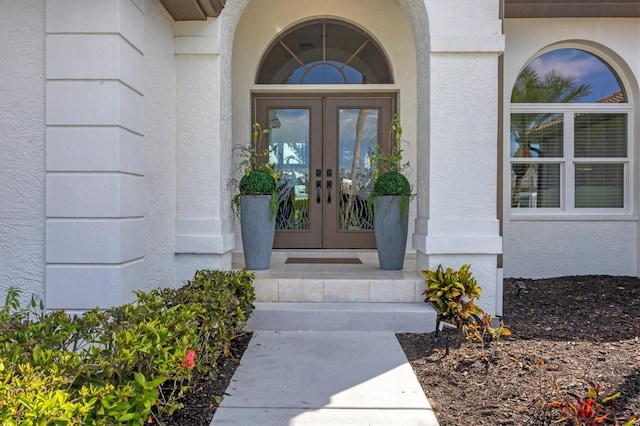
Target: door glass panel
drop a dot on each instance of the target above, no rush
(358, 138)
(289, 139)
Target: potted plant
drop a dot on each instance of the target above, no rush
(390, 200)
(256, 202)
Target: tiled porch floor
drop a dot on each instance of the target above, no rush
(336, 282)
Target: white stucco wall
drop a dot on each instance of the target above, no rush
(462, 227)
(204, 229)
(160, 147)
(385, 20)
(572, 248)
(456, 221)
(22, 147)
(538, 245)
(95, 228)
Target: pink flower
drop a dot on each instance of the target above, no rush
(189, 359)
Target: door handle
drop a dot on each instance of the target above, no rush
(318, 192)
(329, 191)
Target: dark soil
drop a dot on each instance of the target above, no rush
(566, 333)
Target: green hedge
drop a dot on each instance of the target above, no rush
(121, 365)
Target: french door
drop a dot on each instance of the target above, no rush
(322, 147)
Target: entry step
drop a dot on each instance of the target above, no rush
(373, 288)
(396, 317)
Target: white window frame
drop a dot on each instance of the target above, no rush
(568, 161)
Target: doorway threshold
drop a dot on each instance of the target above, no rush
(368, 263)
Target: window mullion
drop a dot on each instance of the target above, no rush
(543, 160)
(569, 168)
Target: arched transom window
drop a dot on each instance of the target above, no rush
(570, 137)
(325, 51)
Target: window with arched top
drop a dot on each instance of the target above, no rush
(570, 135)
(324, 51)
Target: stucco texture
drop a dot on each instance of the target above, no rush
(160, 147)
(463, 153)
(22, 147)
(540, 249)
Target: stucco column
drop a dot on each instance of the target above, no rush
(456, 221)
(95, 161)
(204, 229)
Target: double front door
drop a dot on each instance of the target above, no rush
(322, 146)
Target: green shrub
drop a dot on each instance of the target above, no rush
(389, 171)
(453, 293)
(121, 365)
(392, 183)
(31, 395)
(260, 177)
(257, 182)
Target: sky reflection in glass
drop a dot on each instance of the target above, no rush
(586, 67)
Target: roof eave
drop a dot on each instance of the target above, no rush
(190, 10)
(193, 10)
(572, 8)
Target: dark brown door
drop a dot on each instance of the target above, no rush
(322, 147)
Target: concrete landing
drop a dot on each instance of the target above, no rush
(395, 317)
(294, 378)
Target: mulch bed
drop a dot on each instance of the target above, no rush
(566, 333)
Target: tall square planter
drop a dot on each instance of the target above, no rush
(258, 229)
(390, 224)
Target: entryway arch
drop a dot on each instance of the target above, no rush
(256, 26)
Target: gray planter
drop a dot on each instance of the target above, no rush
(257, 229)
(390, 222)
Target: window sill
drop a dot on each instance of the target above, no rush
(573, 216)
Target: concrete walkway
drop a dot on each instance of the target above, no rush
(324, 378)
